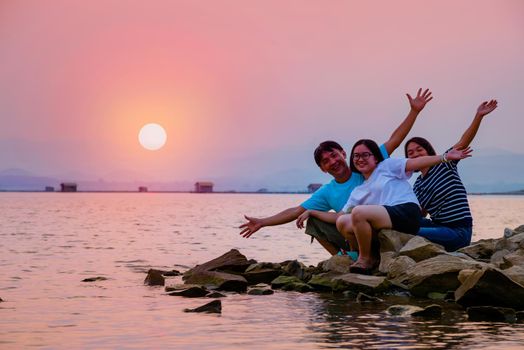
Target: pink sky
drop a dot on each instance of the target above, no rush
(232, 81)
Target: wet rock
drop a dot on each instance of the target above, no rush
(171, 273)
(391, 240)
(481, 250)
(298, 287)
(491, 313)
(337, 263)
(360, 283)
(218, 280)
(262, 273)
(154, 278)
(403, 310)
(491, 287)
(364, 298)
(192, 292)
(95, 279)
(398, 265)
(180, 286)
(282, 280)
(215, 295)
(438, 274)
(212, 307)
(418, 248)
(295, 268)
(430, 311)
(1, 300)
(232, 261)
(260, 291)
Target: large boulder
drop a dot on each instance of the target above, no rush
(232, 261)
(218, 280)
(418, 248)
(490, 287)
(391, 240)
(438, 274)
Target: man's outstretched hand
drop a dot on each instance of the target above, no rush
(251, 226)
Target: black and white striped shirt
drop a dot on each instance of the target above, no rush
(442, 194)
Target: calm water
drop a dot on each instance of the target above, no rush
(49, 242)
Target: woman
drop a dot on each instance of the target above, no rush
(440, 190)
(384, 200)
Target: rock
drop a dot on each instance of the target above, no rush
(180, 286)
(391, 240)
(337, 263)
(260, 291)
(192, 292)
(403, 310)
(232, 261)
(298, 287)
(386, 258)
(498, 257)
(262, 273)
(154, 278)
(94, 279)
(520, 316)
(513, 259)
(507, 244)
(418, 248)
(360, 283)
(219, 280)
(438, 274)
(325, 282)
(491, 313)
(282, 280)
(215, 295)
(212, 307)
(398, 265)
(517, 239)
(464, 274)
(1, 300)
(172, 273)
(364, 298)
(295, 268)
(481, 250)
(516, 273)
(490, 287)
(430, 311)
(438, 296)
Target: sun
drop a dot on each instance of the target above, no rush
(152, 136)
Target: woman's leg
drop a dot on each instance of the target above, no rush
(366, 219)
(450, 238)
(345, 227)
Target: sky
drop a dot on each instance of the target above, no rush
(246, 88)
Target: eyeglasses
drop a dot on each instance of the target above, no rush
(363, 155)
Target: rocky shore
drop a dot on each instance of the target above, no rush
(486, 279)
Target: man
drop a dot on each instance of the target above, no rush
(331, 158)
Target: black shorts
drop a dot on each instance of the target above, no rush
(405, 217)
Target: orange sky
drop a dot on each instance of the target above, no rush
(238, 83)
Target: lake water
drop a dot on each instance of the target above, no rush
(50, 242)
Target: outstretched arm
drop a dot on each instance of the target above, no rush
(326, 216)
(468, 136)
(254, 224)
(418, 163)
(417, 104)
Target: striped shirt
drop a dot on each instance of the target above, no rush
(442, 194)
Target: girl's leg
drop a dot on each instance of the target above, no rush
(450, 238)
(345, 227)
(365, 220)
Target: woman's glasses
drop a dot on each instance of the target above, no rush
(363, 155)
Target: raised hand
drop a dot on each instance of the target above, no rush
(455, 154)
(486, 107)
(418, 103)
(302, 218)
(251, 226)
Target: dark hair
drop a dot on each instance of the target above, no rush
(326, 146)
(422, 142)
(373, 147)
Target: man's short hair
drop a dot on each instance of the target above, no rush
(326, 146)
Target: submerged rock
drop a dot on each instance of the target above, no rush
(491, 313)
(154, 278)
(214, 306)
(94, 279)
(430, 311)
(215, 295)
(364, 298)
(260, 291)
(192, 292)
(492, 287)
(403, 310)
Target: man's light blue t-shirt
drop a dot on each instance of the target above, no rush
(334, 195)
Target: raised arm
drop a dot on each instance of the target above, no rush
(254, 224)
(417, 104)
(468, 136)
(418, 163)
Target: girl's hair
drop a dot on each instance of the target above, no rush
(373, 147)
(422, 142)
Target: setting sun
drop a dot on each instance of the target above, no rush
(152, 136)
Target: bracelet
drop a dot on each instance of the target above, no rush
(444, 157)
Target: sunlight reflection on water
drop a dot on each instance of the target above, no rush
(50, 242)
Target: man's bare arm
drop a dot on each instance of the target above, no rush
(254, 224)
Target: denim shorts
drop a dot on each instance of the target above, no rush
(451, 238)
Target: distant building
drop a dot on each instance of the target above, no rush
(49, 189)
(68, 187)
(263, 190)
(313, 187)
(142, 189)
(203, 187)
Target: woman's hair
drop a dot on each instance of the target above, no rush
(373, 148)
(326, 146)
(422, 142)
